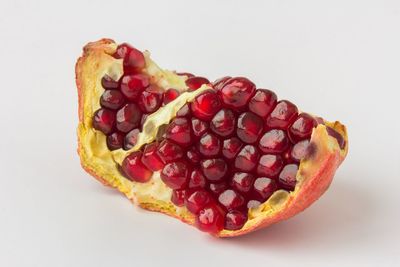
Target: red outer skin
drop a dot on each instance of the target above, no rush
(314, 181)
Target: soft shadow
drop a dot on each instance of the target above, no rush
(337, 219)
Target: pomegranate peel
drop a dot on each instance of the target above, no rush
(314, 175)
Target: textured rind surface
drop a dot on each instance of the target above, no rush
(314, 177)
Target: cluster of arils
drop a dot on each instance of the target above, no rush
(126, 103)
(226, 151)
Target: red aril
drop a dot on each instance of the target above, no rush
(262, 102)
(133, 85)
(128, 117)
(197, 179)
(115, 141)
(263, 188)
(283, 115)
(108, 83)
(223, 123)
(104, 120)
(112, 99)
(197, 200)
(242, 182)
(168, 151)
(234, 220)
(175, 175)
(249, 127)
(150, 99)
(247, 158)
(231, 147)
(269, 165)
(236, 92)
(287, 177)
(230, 199)
(170, 95)
(130, 139)
(178, 197)
(214, 169)
(195, 83)
(205, 106)
(151, 159)
(134, 169)
(210, 219)
(179, 131)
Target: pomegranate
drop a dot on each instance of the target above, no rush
(225, 156)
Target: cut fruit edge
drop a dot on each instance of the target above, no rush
(315, 173)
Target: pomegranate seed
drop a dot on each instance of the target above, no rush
(247, 158)
(133, 58)
(236, 92)
(122, 51)
(249, 127)
(195, 83)
(214, 169)
(179, 131)
(197, 179)
(287, 177)
(274, 141)
(242, 182)
(337, 136)
(219, 83)
(193, 155)
(104, 120)
(178, 197)
(283, 115)
(128, 117)
(205, 106)
(151, 159)
(218, 188)
(133, 85)
(134, 169)
(230, 199)
(168, 151)
(150, 99)
(131, 139)
(187, 74)
(223, 123)
(115, 141)
(170, 95)
(269, 165)
(209, 145)
(197, 200)
(252, 204)
(112, 99)
(108, 83)
(231, 147)
(210, 219)
(263, 102)
(175, 175)
(299, 150)
(234, 220)
(184, 111)
(302, 127)
(264, 188)
(199, 127)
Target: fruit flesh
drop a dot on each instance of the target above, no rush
(144, 194)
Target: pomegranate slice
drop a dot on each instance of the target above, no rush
(223, 156)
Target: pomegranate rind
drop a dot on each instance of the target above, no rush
(315, 173)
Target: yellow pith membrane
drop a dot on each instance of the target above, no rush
(313, 178)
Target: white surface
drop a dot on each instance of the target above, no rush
(339, 60)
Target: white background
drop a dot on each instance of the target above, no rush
(340, 60)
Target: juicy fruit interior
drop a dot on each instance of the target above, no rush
(225, 151)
